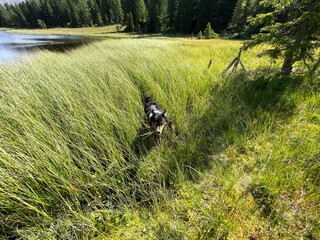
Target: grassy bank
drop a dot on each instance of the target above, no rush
(110, 31)
(240, 160)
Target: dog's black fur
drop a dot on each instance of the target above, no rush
(156, 117)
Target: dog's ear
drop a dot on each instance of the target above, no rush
(146, 95)
(164, 112)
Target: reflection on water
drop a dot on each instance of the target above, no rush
(14, 46)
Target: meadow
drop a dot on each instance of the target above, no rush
(240, 159)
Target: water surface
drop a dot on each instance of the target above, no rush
(14, 46)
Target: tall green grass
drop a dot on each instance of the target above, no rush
(239, 160)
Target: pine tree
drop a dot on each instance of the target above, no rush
(205, 11)
(141, 10)
(61, 11)
(242, 11)
(34, 11)
(130, 24)
(84, 12)
(74, 15)
(235, 24)
(12, 21)
(46, 13)
(18, 17)
(292, 31)
(115, 11)
(172, 15)
(26, 13)
(185, 16)
(42, 24)
(163, 15)
(138, 10)
(222, 14)
(139, 13)
(95, 12)
(200, 35)
(104, 10)
(154, 17)
(209, 33)
(4, 17)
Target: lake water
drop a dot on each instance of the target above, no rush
(14, 46)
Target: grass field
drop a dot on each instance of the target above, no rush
(240, 160)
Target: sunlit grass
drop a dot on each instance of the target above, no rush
(69, 31)
(110, 31)
(239, 161)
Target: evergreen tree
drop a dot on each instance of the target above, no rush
(138, 10)
(84, 12)
(12, 20)
(209, 33)
(242, 11)
(205, 11)
(41, 24)
(65, 14)
(256, 9)
(185, 16)
(74, 15)
(163, 15)
(139, 13)
(154, 17)
(4, 17)
(130, 24)
(18, 17)
(292, 30)
(46, 13)
(222, 14)
(172, 15)
(126, 7)
(103, 4)
(95, 12)
(141, 10)
(34, 11)
(235, 23)
(115, 11)
(26, 13)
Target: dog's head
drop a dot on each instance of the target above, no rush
(159, 121)
(146, 97)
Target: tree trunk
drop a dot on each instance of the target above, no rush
(287, 63)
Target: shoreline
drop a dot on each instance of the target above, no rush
(103, 32)
(107, 32)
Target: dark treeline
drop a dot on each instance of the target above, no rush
(171, 16)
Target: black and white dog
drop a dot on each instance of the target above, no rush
(156, 117)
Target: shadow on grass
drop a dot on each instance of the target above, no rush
(145, 141)
(244, 103)
(237, 107)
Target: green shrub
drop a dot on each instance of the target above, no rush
(209, 33)
(42, 24)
